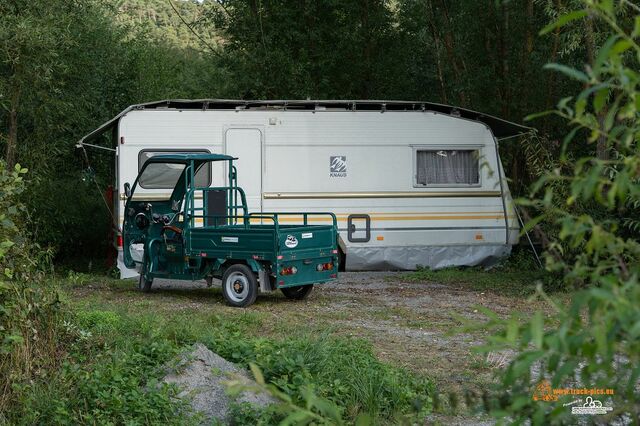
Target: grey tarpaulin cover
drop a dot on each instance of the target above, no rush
(433, 257)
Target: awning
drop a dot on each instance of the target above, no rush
(500, 128)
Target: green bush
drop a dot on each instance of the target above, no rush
(108, 374)
(113, 387)
(30, 311)
(54, 365)
(594, 341)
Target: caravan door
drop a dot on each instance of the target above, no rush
(245, 143)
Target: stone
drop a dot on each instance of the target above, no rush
(201, 376)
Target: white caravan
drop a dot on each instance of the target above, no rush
(411, 183)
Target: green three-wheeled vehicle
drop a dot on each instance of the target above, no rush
(207, 232)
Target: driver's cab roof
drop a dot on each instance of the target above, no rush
(185, 158)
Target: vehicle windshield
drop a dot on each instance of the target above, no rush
(161, 175)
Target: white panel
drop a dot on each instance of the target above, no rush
(246, 144)
(297, 146)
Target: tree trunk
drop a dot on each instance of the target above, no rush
(435, 34)
(443, 92)
(504, 61)
(519, 164)
(365, 24)
(602, 153)
(12, 138)
(551, 82)
(526, 57)
(458, 65)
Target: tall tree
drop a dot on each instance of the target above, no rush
(326, 48)
(32, 35)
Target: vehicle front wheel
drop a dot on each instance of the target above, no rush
(297, 293)
(239, 286)
(144, 285)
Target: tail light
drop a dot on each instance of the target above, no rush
(289, 270)
(119, 240)
(324, 267)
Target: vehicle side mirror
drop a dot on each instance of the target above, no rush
(127, 189)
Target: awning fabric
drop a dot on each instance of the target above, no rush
(500, 128)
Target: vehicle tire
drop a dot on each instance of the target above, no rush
(297, 293)
(144, 285)
(239, 286)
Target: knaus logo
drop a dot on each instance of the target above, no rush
(338, 166)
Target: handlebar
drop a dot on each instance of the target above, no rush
(171, 228)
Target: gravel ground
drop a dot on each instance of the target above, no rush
(408, 323)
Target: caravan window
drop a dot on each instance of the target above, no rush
(447, 167)
(165, 175)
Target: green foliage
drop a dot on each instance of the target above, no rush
(518, 276)
(14, 259)
(113, 387)
(323, 49)
(98, 321)
(157, 20)
(345, 372)
(245, 414)
(594, 341)
(314, 409)
(114, 360)
(65, 67)
(29, 305)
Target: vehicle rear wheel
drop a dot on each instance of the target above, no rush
(239, 286)
(297, 293)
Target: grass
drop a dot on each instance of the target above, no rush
(116, 349)
(511, 283)
(518, 276)
(378, 350)
(107, 375)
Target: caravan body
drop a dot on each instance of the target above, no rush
(411, 186)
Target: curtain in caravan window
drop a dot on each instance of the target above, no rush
(457, 167)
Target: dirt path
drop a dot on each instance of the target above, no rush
(408, 323)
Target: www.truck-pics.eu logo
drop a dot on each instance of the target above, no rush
(337, 166)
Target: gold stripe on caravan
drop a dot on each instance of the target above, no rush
(298, 219)
(375, 215)
(401, 218)
(394, 194)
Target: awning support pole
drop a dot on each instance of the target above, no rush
(83, 144)
(526, 232)
(504, 203)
